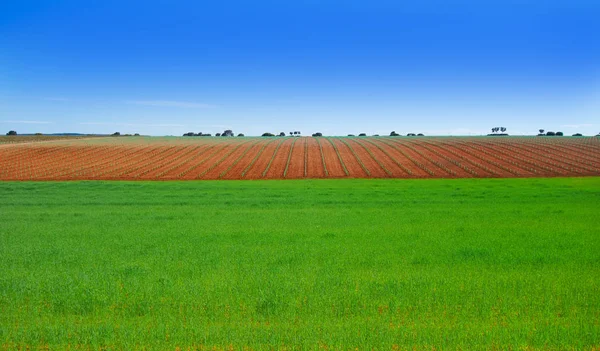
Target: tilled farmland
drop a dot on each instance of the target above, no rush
(148, 158)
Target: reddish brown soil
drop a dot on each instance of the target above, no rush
(480, 165)
(388, 160)
(189, 164)
(572, 154)
(580, 152)
(159, 162)
(533, 160)
(77, 158)
(516, 160)
(413, 171)
(441, 162)
(314, 159)
(423, 163)
(354, 168)
(559, 158)
(370, 163)
(258, 167)
(109, 159)
(277, 167)
(187, 153)
(494, 159)
(39, 139)
(211, 158)
(235, 172)
(296, 164)
(333, 164)
(28, 155)
(226, 160)
(129, 166)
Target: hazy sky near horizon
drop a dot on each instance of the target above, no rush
(336, 67)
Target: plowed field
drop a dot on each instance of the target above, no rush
(148, 158)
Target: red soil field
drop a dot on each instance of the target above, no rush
(277, 167)
(213, 160)
(370, 162)
(146, 158)
(186, 165)
(314, 159)
(333, 163)
(295, 167)
(354, 167)
(394, 167)
(411, 170)
(257, 166)
(236, 168)
(479, 165)
(186, 154)
(215, 170)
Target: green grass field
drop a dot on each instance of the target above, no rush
(337, 264)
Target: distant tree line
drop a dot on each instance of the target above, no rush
(281, 134)
(229, 133)
(226, 133)
(549, 133)
(393, 133)
(191, 134)
(116, 134)
(495, 131)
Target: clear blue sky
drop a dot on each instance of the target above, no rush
(337, 67)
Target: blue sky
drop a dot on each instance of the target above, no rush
(337, 67)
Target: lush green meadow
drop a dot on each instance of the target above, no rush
(450, 264)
